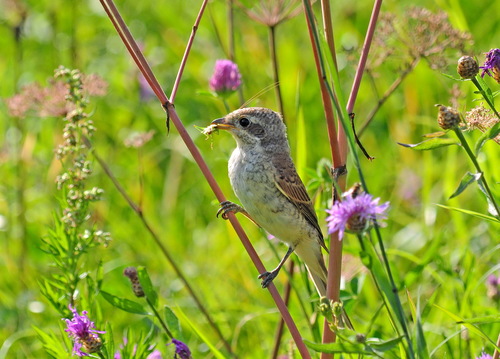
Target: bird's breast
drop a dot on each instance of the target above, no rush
(252, 178)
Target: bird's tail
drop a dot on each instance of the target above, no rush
(319, 281)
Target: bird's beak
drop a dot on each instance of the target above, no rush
(221, 124)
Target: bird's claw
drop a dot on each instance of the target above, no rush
(226, 207)
(267, 278)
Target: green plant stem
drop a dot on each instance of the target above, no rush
(486, 98)
(482, 180)
(157, 315)
(400, 311)
(226, 105)
(276, 78)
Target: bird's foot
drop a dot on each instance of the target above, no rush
(267, 278)
(226, 207)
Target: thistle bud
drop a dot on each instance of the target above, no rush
(448, 117)
(467, 67)
(131, 273)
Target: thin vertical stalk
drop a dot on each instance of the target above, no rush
(276, 78)
(144, 67)
(496, 353)
(281, 324)
(364, 56)
(186, 52)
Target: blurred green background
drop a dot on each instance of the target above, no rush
(439, 256)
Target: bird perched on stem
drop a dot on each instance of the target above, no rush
(266, 182)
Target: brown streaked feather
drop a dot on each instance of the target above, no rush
(289, 183)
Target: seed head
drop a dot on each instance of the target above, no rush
(467, 67)
(448, 117)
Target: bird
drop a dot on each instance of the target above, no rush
(265, 180)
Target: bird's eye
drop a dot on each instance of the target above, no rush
(244, 122)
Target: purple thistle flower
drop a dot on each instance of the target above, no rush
(226, 77)
(354, 213)
(484, 356)
(83, 333)
(181, 350)
(493, 280)
(492, 63)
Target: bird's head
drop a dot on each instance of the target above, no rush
(254, 126)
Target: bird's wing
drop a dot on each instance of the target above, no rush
(289, 183)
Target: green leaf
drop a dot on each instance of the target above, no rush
(200, 333)
(490, 134)
(340, 347)
(147, 285)
(124, 304)
(383, 345)
(491, 201)
(51, 344)
(172, 322)
(484, 87)
(467, 179)
(431, 144)
(472, 328)
(472, 213)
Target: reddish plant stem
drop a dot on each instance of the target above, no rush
(286, 298)
(187, 51)
(364, 56)
(335, 257)
(144, 67)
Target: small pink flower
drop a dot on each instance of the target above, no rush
(226, 77)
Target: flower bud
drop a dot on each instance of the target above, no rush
(467, 67)
(131, 273)
(448, 117)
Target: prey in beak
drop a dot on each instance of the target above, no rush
(222, 124)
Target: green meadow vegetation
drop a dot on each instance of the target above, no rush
(93, 182)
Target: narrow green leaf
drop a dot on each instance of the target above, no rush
(172, 323)
(491, 133)
(472, 213)
(301, 156)
(147, 285)
(200, 333)
(491, 201)
(467, 179)
(485, 88)
(431, 144)
(472, 328)
(423, 352)
(383, 345)
(340, 347)
(124, 304)
(51, 344)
